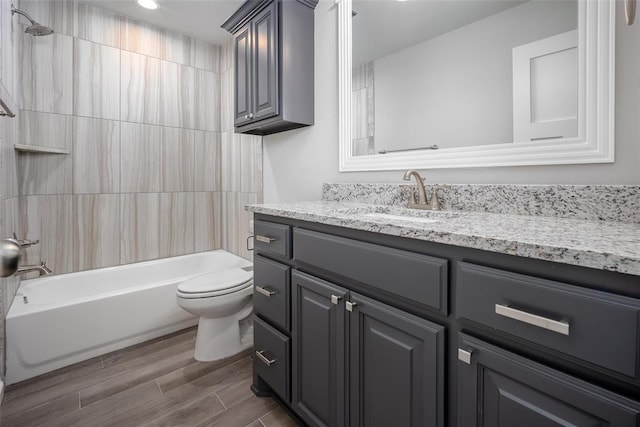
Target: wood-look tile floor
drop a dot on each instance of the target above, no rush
(157, 383)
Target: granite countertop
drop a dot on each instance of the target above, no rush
(606, 245)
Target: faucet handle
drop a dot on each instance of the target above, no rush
(434, 204)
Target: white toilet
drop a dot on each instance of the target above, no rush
(221, 299)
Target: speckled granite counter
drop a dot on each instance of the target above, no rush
(613, 246)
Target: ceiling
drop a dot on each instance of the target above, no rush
(198, 18)
(385, 26)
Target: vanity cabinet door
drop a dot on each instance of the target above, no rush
(396, 368)
(318, 337)
(501, 389)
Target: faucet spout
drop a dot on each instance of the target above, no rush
(422, 195)
(42, 269)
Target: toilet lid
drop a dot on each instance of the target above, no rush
(216, 281)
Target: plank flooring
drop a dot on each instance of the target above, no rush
(157, 383)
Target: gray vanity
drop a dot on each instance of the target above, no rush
(363, 319)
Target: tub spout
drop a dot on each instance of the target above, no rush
(42, 269)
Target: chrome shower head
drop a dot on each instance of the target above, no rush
(35, 29)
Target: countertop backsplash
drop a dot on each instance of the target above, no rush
(590, 202)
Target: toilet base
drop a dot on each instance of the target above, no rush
(220, 338)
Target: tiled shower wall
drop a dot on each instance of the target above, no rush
(9, 134)
(155, 169)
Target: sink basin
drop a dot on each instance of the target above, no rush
(403, 218)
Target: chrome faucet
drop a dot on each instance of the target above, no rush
(422, 196)
(42, 268)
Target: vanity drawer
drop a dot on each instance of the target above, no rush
(271, 357)
(598, 327)
(271, 281)
(415, 277)
(273, 238)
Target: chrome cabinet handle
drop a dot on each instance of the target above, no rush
(246, 116)
(251, 116)
(464, 356)
(265, 291)
(335, 299)
(349, 305)
(264, 359)
(533, 319)
(265, 239)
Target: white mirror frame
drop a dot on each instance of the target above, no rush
(595, 140)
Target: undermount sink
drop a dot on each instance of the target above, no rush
(403, 218)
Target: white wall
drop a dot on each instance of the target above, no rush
(456, 89)
(296, 163)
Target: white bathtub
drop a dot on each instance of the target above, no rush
(73, 317)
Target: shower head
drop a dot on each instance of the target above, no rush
(35, 29)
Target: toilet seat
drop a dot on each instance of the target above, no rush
(215, 283)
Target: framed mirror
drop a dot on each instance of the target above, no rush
(475, 83)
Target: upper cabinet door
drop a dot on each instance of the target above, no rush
(396, 368)
(265, 63)
(501, 389)
(243, 73)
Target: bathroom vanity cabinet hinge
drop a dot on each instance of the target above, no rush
(349, 305)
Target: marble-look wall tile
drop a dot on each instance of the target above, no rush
(208, 221)
(227, 55)
(206, 56)
(140, 148)
(176, 98)
(10, 133)
(11, 34)
(250, 164)
(96, 80)
(230, 155)
(97, 25)
(208, 165)
(50, 220)
(236, 222)
(147, 39)
(9, 223)
(176, 224)
(177, 159)
(45, 129)
(140, 227)
(96, 231)
(207, 101)
(96, 156)
(139, 85)
(226, 101)
(47, 73)
(56, 14)
(45, 173)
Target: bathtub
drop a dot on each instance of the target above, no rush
(64, 319)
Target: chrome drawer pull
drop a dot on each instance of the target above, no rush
(265, 291)
(533, 319)
(264, 239)
(349, 305)
(264, 359)
(464, 356)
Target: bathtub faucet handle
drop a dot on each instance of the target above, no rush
(25, 243)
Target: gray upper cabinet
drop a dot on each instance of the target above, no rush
(273, 92)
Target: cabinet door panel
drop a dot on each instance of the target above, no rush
(499, 388)
(265, 63)
(318, 335)
(396, 367)
(242, 70)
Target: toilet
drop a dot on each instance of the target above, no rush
(221, 299)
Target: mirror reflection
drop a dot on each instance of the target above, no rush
(445, 74)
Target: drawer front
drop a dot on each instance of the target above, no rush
(271, 291)
(271, 357)
(273, 238)
(415, 277)
(594, 326)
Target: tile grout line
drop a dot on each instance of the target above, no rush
(220, 400)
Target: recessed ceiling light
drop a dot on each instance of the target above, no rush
(148, 4)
